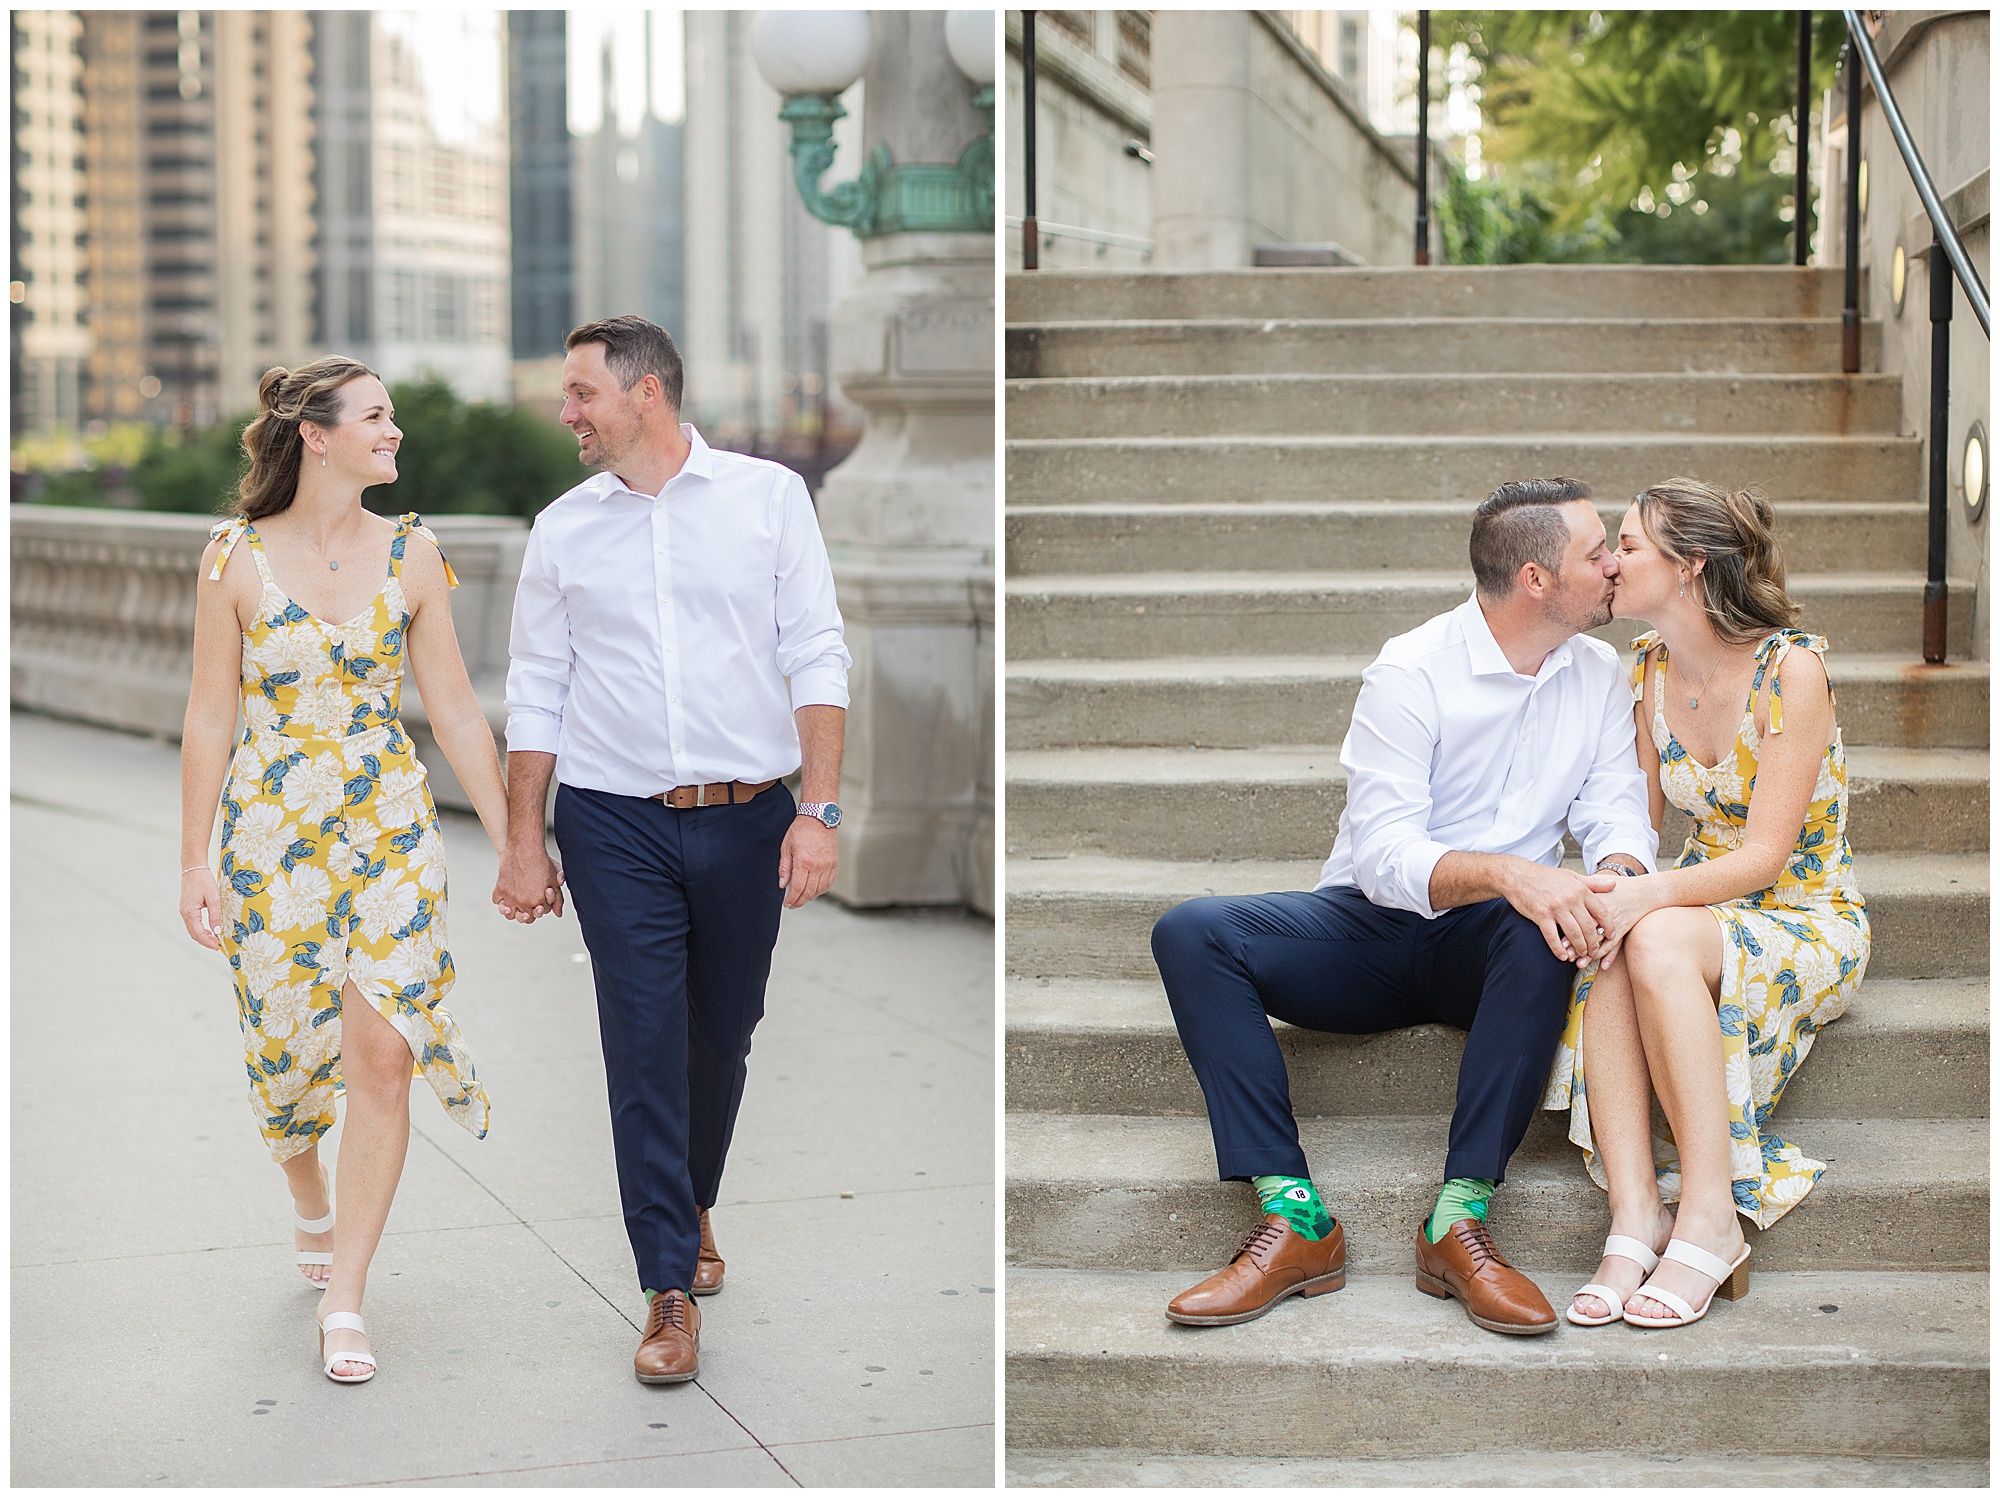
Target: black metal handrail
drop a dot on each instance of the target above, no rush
(1941, 225)
(1423, 137)
(1946, 251)
(1801, 220)
(1031, 235)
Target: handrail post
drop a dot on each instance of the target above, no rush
(1423, 137)
(1031, 237)
(1850, 314)
(1934, 585)
(1801, 229)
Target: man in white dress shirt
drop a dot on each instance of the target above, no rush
(1476, 740)
(677, 651)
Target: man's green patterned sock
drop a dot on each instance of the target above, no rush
(1294, 1199)
(1460, 1199)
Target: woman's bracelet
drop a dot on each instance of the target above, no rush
(192, 867)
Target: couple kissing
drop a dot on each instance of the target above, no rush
(1477, 741)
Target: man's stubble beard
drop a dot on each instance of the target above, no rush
(1579, 621)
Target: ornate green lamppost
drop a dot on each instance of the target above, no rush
(908, 516)
(811, 57)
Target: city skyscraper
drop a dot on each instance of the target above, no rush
(47, 310)
(199, 193)
(627, 175)
(413, 190)
(539, 181)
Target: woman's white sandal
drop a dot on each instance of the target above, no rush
(1620, 1246)
(304, 1256)
(1732, 1282)
(344, 1321)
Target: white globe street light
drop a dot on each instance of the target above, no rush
(817, 52)
(968, 37)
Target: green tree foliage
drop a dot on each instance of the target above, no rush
(195, 471)
(1513, 222)
(1607, 127)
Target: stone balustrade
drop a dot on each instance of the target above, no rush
(103, 632)
(103, 618)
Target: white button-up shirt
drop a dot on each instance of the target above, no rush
(1450, 749)
(665, 639)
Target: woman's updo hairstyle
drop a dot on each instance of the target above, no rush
(286, 397)
(1743, 582)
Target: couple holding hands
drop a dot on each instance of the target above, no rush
(1477, 740)
(676, 652)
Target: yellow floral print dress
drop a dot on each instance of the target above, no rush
(332, 860)
(1792, 953)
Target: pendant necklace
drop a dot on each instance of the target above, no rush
(332, 565)
(1694, 699)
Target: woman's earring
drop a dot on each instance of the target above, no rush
(1684, 586)
(322, 463)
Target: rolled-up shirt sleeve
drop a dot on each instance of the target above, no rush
(812, 647)
(1610, 814)
(538, 680)
(1391, 740)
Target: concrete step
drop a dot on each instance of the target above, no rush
(1465, 405)
(1116, 1192)
(1361, 535)
(1610, 291)
(1387, 345)
(1234, 702)
(1205, 470)
(1111, 1467)
(1091, 917)
(1898, 1369)
(1906, 1048)
(1134, 615)
(1286, 802)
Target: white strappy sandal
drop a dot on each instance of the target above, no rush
(303, 1257)
(1732, 1282)
(344, 1321)
(1617, 1245)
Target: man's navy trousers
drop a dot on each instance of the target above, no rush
(679, 909)
(1328, 959)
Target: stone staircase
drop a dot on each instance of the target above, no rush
(1225, 491)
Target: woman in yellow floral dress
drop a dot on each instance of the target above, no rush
(1733, 958)
(329, 896)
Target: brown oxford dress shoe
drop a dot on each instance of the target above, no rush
(1465, 1264)
(669, 1353)
(708, 1264)
(1273, 1262)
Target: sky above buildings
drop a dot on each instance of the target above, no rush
(626, 30)
(459, 57)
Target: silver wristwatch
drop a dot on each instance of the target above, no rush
(821, 811)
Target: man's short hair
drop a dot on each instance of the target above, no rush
(633, 349)
(1520, 523)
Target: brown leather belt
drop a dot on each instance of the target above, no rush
(716, 793)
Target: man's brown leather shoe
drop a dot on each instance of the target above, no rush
(708, 1265)
(1273, 1262)
(1465, 1264)
(669, 1353)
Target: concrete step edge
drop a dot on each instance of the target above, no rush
(1116, 1467)
(1090, 768)
(1129, 584)
(1091, 1359)
(1100, 875)
(1116, 1007)
(1847, 666)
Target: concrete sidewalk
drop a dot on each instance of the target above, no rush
(161, 1336)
